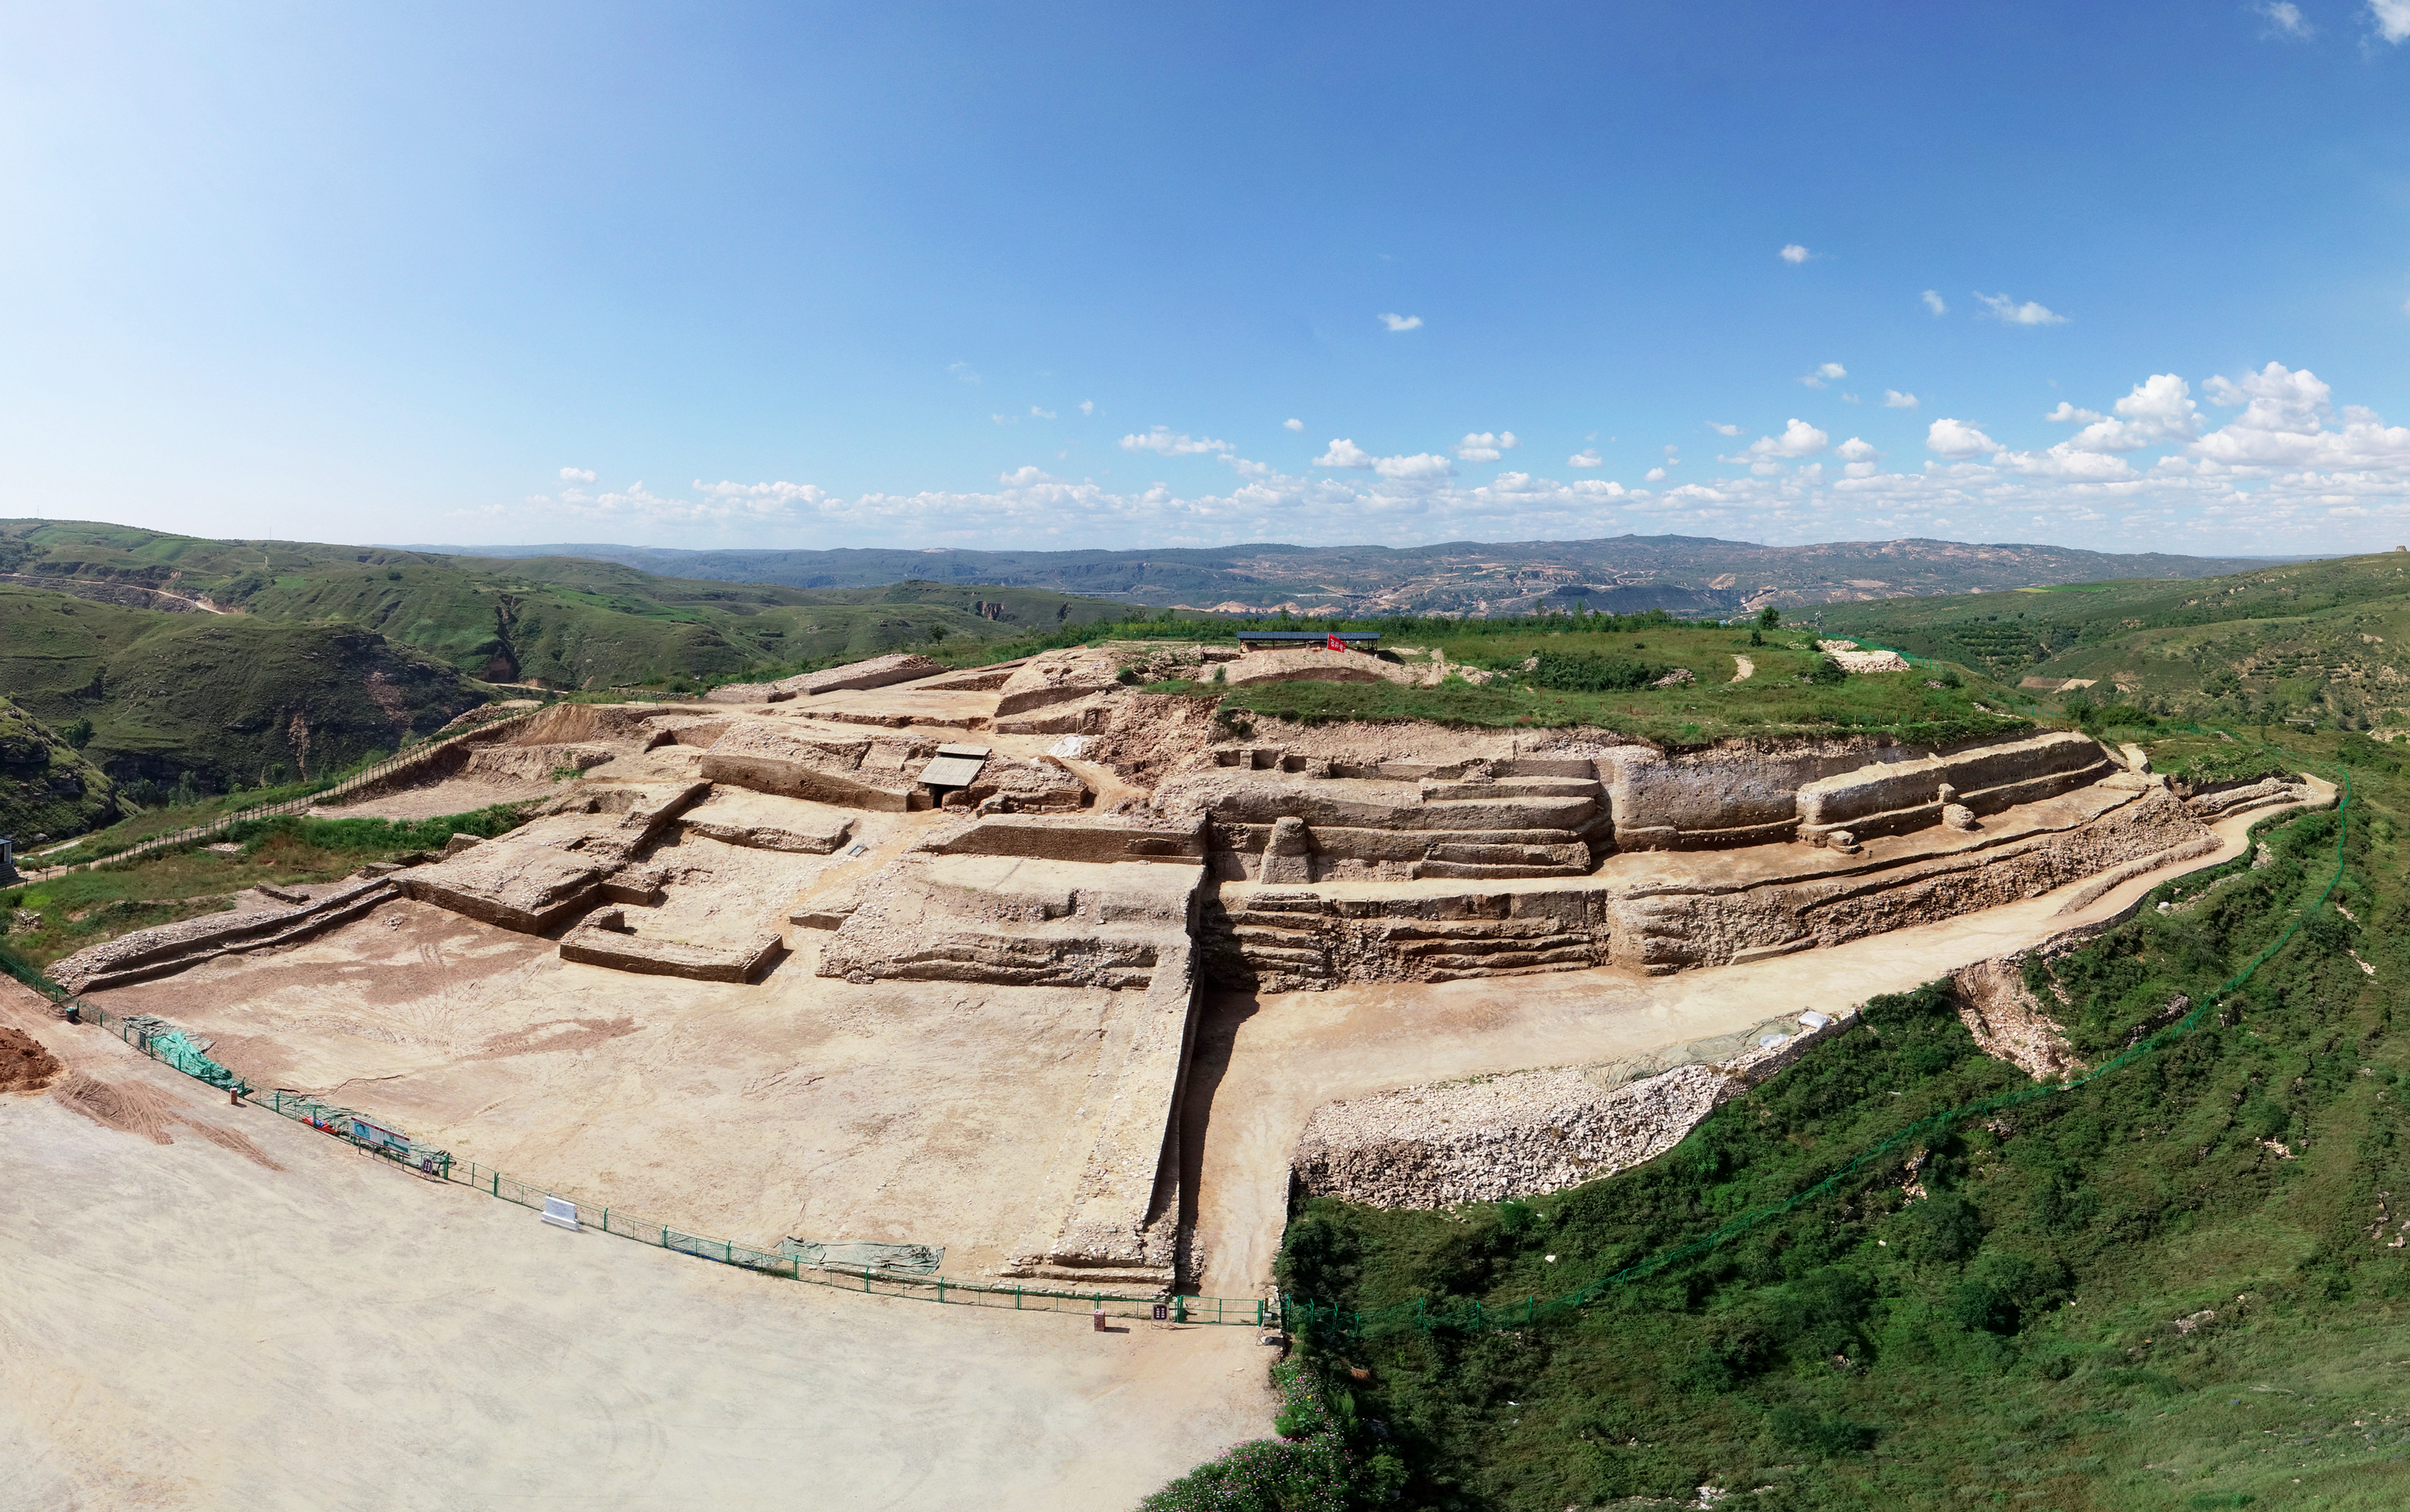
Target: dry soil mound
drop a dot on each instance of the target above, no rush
(25, 1064)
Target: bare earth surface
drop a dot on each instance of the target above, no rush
(799, 1105)
(1264, 1063)
(439, 799)
(183, 1325)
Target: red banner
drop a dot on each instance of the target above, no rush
(1338, 645)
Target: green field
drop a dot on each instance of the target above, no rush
(2326, 641)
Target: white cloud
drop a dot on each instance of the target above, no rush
(1587, 456)
(576, 475)
(1041, 414)
(963, 371)
(1933, 302)
(1422, 468)
(1954, 440)
(2269, 459)
(2006, 310)
(2284, 19)
(1825, 374)
(2160, 410)
(1292, 425)
(2284, 425)
(1482, 446)
(2392, 18)
(1169, 442)
(1798, 439)
(1655, 475)
(2065, 460)
(1895, 399)
(1088, 406)
(1794, 254)
(1402, 323)
(1722, 429)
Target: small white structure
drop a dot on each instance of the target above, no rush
(560, 1213)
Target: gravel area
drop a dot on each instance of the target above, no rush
(1531, 1132)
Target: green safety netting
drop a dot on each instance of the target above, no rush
(180, 1052)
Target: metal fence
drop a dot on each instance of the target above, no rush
(223, 823)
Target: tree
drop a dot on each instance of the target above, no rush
(1769, 617)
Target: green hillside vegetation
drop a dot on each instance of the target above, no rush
(170, 704)
(1596, 670)
(47, 787)
(2182, 1285)
(555, 623)
(2324, 640)
(66, 914)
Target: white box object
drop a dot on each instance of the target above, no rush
(560, 1213)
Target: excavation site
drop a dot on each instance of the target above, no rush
(1051, 975)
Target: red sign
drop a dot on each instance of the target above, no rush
(1338, 645)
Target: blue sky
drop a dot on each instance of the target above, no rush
(803, 276)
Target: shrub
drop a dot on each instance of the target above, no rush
(1580, 674)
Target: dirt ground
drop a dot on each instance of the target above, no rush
(798, 1105)
(438, 799)
(1264, 1063)
(185, 1324)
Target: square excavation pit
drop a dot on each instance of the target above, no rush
(913, 1111)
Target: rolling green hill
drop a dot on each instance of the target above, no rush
(2327, 641)
(229, 700)
(555, 621)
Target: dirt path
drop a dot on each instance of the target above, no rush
(204, 1330)
(1265, 1063)
(1748, 668)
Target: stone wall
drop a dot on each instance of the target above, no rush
(803, 762)
(144, 953)
(1892, 798)
(604, 939)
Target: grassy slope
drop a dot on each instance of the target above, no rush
(218, 696)
(47, 787)
(1778, 699)
(2326, 639)
(2005, 1338)
(565, 622)
(84, 908)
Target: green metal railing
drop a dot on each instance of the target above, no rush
(1309, 1313)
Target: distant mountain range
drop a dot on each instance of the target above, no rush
(1686, 574)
